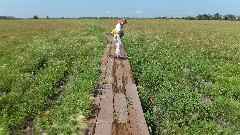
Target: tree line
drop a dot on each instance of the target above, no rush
(216, 16)
(7, 17)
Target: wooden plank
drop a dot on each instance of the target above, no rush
(104, 63)
(138, 124)
(104, 117)
(121, 106)
(109, 72)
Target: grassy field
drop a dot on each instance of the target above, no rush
(188, 72)
(48, 70)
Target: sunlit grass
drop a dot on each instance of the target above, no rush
(189, 72)
(48, 74)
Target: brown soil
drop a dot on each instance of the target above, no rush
(118, 109)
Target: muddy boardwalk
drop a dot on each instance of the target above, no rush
(118, 109)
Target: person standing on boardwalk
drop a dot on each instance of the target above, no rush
(118, 34)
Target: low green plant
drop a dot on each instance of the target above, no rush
(188, 75)
(47, 80)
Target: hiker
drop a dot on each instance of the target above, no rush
(118, 34)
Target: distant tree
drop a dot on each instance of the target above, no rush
(229, 17)
(164, 17)
(204, 17)
(210, 17)
(3, 17)
(47, 17)
(200, 17)
(190, 18)
(233, 17)
(217, 16)
(207, 16)
(238, 18)
(35, 17)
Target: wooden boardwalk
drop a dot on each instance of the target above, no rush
(118, 109)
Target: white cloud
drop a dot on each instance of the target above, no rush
(108, 12)
(138, 12)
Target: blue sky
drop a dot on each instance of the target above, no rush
(115, 8)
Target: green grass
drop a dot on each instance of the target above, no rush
(189, 71)
(47, 77)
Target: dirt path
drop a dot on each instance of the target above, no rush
(118, 109)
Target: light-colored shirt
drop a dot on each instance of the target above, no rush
(119, 27)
